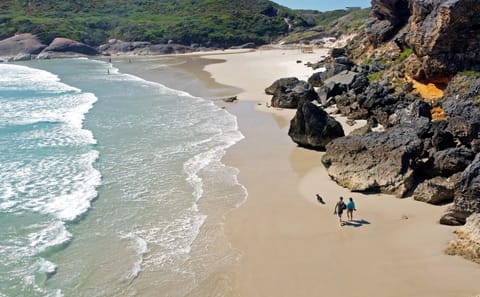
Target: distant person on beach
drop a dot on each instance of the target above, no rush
(339, 208)
(350, 209)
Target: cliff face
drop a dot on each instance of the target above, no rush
(387, 18)
(444, 35)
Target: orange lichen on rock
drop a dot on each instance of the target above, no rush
(428, 91)
(431, 91)
(438, 114)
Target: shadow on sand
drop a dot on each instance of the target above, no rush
(356, 223)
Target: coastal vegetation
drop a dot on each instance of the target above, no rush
(330, 23)
(211, 22)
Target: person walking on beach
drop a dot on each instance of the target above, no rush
(350, 209)
(339, 208)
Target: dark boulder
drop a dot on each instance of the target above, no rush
(464, 120)
(467, 196)
(344, 61)
(461, 107)
(441, 138)
(411, 113)
(379, 162)
(337, 52)
(450, 161)
(313, 128)
(335, 65)
(347, 80)
(286, 97)
(316, 79)
(282, 83)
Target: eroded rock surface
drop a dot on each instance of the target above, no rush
(375, 162)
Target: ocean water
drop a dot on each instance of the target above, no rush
(111, 185)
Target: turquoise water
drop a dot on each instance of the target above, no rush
(110, 185)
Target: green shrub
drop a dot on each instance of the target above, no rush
(470, 73)
(404, 55)
(376, 76)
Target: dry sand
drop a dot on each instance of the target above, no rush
(291, 245)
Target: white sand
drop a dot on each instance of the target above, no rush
(291, 245)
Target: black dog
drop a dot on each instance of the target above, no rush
(320, 199)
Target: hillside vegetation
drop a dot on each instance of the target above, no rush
(207, 22)
(330, 23)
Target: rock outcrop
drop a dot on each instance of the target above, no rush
(467, 244)
(64, 47)
(467, 196)
(313, 128)
(289, 92)
(387, 18)
(375, 162)
(282, 83)
(437, 190)
(115, 46)
(445, 35)
(20, 47)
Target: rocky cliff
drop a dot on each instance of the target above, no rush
(415, 79)
(444, 35)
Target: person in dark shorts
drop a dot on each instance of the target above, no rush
(339, 208)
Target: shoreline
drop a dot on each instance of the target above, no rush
(290, 245)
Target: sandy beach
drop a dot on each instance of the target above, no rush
(291, 245)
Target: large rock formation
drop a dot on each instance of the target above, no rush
(64, 47)
(375, 162)
(312, 127)
(387, 18)
(20, 45)
(445, 35)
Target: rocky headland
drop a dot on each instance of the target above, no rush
(413, 75)
(27, 46)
